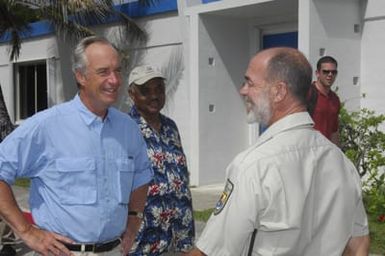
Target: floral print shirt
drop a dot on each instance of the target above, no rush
(168, 223)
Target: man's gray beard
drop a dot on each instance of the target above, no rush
(261, 112)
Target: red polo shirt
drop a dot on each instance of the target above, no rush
(326, 111)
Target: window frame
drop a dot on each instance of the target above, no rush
(17, 92)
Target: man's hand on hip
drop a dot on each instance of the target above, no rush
(46, 243)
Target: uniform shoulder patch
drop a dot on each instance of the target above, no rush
(224, 197)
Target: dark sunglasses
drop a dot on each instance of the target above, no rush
(327, 72)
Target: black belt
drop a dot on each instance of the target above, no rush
(98, 247)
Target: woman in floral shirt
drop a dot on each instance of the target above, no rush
(168, 224)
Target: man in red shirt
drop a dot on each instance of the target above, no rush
(324, 104)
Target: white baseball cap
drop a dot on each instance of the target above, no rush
(141, 74)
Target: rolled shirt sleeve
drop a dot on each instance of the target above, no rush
(360, 227)
(143, 170)
(17, 159)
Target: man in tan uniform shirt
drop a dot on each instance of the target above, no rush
(293, 192)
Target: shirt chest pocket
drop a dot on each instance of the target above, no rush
(125, 179)
(76, 182)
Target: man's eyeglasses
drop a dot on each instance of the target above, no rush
(327, 72)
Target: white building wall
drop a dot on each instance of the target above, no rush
(223, 58)
(7, 85)
(192, 51)
(304, 17)
(373, 56)
(332, 26)
(44, 48)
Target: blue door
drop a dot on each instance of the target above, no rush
(289, 39)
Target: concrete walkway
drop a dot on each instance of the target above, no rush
(205, 197)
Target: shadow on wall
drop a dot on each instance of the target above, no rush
(6, 126)
(134, 52)
(173, 70)
(68, 88)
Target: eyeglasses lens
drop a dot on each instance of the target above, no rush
(327, 72)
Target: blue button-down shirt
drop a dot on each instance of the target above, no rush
(82, 169)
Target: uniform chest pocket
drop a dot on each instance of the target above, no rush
(76, 180)
(125, 179)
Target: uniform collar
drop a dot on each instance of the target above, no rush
(293, 121)
(87, 116)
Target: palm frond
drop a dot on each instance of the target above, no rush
(173, 71)
(71, 18)
(13, 25)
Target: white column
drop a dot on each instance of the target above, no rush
(193, 67)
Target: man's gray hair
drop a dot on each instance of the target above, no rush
(291, 66)
(79, 59)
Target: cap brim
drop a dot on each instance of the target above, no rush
(148, 77)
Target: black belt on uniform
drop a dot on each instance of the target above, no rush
(98, 247)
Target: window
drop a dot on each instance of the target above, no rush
(31, 89)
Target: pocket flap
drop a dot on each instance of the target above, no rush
(75, 164)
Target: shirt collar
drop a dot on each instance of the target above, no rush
(87, 116)
(329, 92)
(292, 121)
(136, 115)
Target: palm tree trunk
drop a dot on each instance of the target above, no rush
(6, 126)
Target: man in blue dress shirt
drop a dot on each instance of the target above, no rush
(87, 163)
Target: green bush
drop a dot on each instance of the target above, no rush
(362, 141)
(364, 144)
(377, 235)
